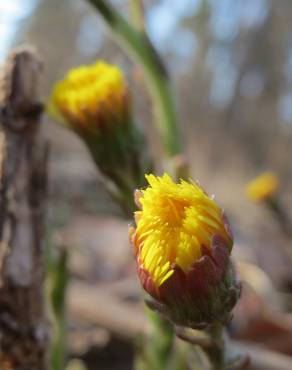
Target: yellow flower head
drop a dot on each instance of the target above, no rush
(91, 97)
(94, 101)
(182, 244)
(262, 187)
(176, 220)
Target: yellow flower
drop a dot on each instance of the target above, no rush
(94, 101)
(175, 221)
(182, 244)
(262, 187)
(92, 97)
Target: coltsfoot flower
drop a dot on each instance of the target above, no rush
(92, 99)
(263, 187)
(95, 102)
(182, 244)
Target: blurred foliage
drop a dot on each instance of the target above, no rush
(231, 61)
(231, 65)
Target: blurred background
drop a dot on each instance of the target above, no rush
(231, 65)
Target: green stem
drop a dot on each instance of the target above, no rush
(216, 353)
(157, 348)
(59, 280)
(137, 14)
(277, 208)
(178, 358)
(140, 48)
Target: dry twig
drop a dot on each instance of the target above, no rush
(23, 325)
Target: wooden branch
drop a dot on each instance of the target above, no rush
(23, 158)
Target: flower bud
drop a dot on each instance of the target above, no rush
(263, 187)
(95, 102)
(182, 244)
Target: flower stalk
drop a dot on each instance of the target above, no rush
(280, 212)
(216, 352)
(138, 45)
(137, 14)
(264, 189)
(58, 281)
(156, 349)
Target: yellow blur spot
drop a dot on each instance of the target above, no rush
(91, 96)
(175, 221)
(262, 187)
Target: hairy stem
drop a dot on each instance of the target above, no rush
(216, 352)
(141, 49)
(137, 14)
(157, 346)
(59, 281)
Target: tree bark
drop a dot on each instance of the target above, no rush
(23, 179)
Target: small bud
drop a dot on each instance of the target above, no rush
(182, 244)
(92, 99)
(262, 187)
(95, 102)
